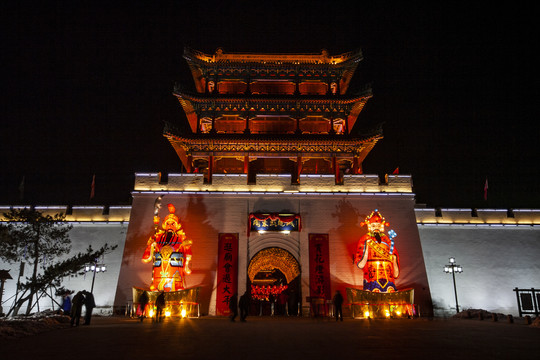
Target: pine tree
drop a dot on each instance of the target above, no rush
(41, 240)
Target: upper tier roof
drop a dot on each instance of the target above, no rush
(285, 66)
(279, 59)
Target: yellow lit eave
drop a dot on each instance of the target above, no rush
(268, 191)
(82, 214)
(484, 218)
(276, 58)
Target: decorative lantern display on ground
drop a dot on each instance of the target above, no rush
(170, 253)
(377, 256)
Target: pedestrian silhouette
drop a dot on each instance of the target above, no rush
(89, 305)
(244, 306)
(160, 305)
(143, 301)
(66, 304)
(76, 308)
(233, 306)
(338, 302)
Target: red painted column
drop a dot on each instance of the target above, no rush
(246, 164)
(247, 130)
(298, 169)
(336, 169)
(356, 165)
(210, 168)
(189, 165)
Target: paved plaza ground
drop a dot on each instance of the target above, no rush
(280, 338)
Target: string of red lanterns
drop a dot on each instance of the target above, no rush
(264, 292)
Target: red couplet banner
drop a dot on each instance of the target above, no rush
(227, 272)
(319, 266)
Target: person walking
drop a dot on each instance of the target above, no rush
(293, 303)
(89, 305)
(244, 306)
(272, 302)
(66, 304)
(338, 302)
(282, 301)
(160, 305)
(233, 306)
(76, 308)
(143, 301)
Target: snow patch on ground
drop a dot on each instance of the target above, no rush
(481, 314)
(20, 326)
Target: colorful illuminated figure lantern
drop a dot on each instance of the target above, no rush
(376, 255)
(170, 253)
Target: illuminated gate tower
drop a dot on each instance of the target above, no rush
(272, 113)
(266, 135)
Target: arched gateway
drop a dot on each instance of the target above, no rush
(273, 281)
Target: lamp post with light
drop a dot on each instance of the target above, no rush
(95, 268)
(453, 268)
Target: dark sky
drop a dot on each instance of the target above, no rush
(86, 88)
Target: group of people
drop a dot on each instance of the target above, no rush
(243, 304)
(160, 305)
(73, 307)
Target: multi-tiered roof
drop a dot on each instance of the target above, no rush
(272, 113)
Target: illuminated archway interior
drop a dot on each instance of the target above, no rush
(271, 259)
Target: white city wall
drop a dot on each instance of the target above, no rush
(498, 252)
(90, 227)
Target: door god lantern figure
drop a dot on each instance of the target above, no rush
(376, 255)
(170, 253)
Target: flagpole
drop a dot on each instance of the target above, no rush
(93, 187)
(21, 189)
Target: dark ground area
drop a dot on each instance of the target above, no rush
(280, 338)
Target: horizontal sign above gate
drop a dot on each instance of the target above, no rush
(274, 222)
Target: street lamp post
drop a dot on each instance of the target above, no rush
(454, 268)
(95, 268)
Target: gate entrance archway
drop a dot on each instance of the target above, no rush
(274, 282)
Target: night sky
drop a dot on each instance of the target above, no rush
(86, 88)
